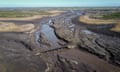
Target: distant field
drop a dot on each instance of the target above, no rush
(88, 20)
(13, 14)
(24, 13)
(113, 18)
(27, 14)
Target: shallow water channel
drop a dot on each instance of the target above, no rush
(49, 34)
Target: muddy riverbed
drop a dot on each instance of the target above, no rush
(60, 44)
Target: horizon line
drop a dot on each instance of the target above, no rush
(57, 6)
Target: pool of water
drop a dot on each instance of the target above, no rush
(50, 35)
(87, 32)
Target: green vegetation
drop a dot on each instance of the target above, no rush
(14, 14)
(112, 16)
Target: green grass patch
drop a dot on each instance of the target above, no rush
(18, 14)
(112, 16)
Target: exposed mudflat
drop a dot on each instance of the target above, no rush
(60, 44)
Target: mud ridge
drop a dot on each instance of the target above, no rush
(27, 46)
(100, 29)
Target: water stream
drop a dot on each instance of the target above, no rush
(49, 35)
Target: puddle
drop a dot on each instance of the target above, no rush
(72, 26)
(37, 34)
(87, 32)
